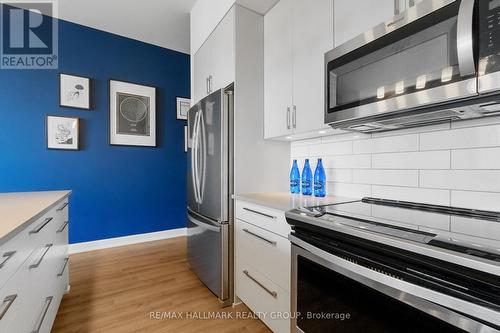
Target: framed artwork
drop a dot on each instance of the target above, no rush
(63, 133)
(132, 114)
(183, 106)
(74, 91)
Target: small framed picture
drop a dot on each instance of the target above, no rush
(63, 133)
(132, 114)
(183, 106)
(74, 91)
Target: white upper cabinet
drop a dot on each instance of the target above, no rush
(297, 33)
(278, 70)
(214, 63)
(312, 38)
(353, 18)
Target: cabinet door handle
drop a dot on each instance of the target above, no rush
(63, 226)
(207, 84)
(41, 225)
(260, 237)
(42, 315)
(259, 213)
(270, 292)
(294, 117)
(39, 261)
(7, 256)
(210, 77)
(6, 304)
(288, 117)
(62, 207)
(66, 260)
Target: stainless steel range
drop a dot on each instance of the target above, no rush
(359, 267)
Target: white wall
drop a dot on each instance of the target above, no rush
(454, 164)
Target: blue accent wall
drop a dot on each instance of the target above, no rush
(117, 190)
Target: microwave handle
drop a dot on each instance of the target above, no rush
(465, 38)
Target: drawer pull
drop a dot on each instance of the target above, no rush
(6, 304)
(7, 256)
(66, 260)
(39, 261)
(41, 225)
(272, 293)
(260, 237)
(62, 207)
(41, 318)
(259, 213)
(64, 225)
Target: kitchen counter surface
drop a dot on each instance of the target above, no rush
(286, 201)
(17, 210)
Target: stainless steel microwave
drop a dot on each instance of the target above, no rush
(437, 61)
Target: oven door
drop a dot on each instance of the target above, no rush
(330, 294)
(424, 56)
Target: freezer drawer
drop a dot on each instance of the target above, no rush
(208, 253)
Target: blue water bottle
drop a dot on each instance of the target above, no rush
(307, 179)
(295, 178)
(319, 180)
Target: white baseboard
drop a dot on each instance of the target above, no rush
(127, 240)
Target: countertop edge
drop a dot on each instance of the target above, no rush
(11, 234)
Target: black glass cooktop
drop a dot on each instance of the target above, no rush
(417, 222)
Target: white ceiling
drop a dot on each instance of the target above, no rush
(160, 22)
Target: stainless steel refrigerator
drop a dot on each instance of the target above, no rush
(210, 186)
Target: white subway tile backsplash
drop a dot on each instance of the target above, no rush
(476, 200)
(473, 137)
(414, 194)
(387, 144)
(414, 160)
(339, 175)
(299, 151)
(334, 148)
(477, 228)
(349, 190)
(483, 158)
(348, 162)
(350, 136)
(469, 180)
(307, 142)
(386, 177)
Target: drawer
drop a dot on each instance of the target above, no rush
(264, 297)
(264, 250)
(267, 218)
(14, 300)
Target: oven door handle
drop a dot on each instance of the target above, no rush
(465, 38)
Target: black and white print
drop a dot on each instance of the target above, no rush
(74, 91)
(62, 133)
(132, 112)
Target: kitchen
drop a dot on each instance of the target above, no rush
(165, 175)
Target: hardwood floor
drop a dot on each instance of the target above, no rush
(117, 290)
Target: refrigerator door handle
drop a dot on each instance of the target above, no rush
(194, 157)
(203, 222)
(203, 158)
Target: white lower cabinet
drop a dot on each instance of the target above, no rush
(262, 263)
(30, 297)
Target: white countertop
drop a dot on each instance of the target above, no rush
(19, 209)
(286, 201)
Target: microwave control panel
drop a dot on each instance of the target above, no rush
(489, 36)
